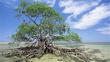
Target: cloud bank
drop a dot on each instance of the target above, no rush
(93, 17)
(94, 12)
(77, 6)
(104, 30)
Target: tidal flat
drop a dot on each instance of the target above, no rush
(105, 50)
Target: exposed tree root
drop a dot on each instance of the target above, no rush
(74, 54)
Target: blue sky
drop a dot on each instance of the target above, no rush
(89, 18)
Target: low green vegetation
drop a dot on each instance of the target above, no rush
(69, 37)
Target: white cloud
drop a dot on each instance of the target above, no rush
(77, 6)
(104, 30)
(9, 3)
(13, 3)
(51, 3)
(93, 17)
(89, 19)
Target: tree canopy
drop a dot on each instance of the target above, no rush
(42, 24)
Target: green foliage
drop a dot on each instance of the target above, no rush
(25, 32)
(72, 37)
(68, 37)
(36, 10)
(41, 9)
